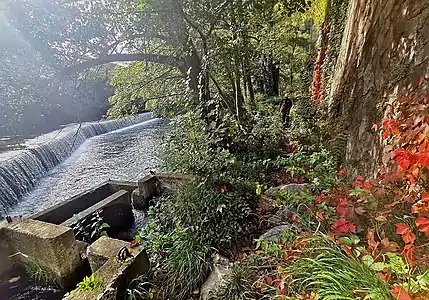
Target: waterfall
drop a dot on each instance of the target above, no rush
(21, 170)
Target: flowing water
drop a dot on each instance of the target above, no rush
(63, 163)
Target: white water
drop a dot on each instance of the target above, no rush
(61, 164)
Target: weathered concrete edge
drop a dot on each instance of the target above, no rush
(115, 198)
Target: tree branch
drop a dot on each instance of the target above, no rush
(149, 57)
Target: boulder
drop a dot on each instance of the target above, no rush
(281, 217)
(273, 234)
(290, 188)
(221, 268)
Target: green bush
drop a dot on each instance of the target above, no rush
(189, 149)
(217, 217)
(223, 148)
(183, 225)
(319, 168)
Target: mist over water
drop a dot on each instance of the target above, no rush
(58, 165)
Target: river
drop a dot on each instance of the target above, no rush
(127, 153)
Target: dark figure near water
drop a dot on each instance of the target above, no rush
(285, 108)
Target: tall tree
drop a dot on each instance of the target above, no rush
(384, 55)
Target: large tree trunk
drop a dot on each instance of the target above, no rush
(384, 53)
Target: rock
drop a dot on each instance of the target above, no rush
(281, 217)
(221, 268)
(273, 234)
(290, 188)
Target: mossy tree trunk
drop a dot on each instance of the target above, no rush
(384, 54)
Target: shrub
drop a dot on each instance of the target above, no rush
(189, 149)
(319, 168)
(225, 148)
(91, 283)
(216, 215)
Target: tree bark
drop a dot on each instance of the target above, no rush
(384, 53)
(318, 77)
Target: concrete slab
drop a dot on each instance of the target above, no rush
(63, 211)
(116, 275)
(5, 262)
(116, 211)
(52, 246)
(171, 181)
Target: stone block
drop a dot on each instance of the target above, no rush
(128, 186)
(53, 246)
(116, 275)
(102, 250)
(5, 262)
(221, 269)
(171, 181)
(147, 186)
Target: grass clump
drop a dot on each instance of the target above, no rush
(238, 284)
(187, 264)
(325, 269)
(38, 272)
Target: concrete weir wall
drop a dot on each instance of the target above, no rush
(47, 237)
(65, 210)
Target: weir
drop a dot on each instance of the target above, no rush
(21, 170)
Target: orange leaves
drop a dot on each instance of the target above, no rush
(320, 217)
(389, 127)
(372, 244)
(342, 208)
(404, 158)
(423, 225)
(408, 253)
(342, 172)
(405, 232)
(421, 207)
(400, 293)
(321, 198)
(409, 238)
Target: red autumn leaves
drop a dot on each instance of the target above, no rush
(409, 238)
(405, 232)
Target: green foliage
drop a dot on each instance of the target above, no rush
(223, 150)
(38, 272)
(190, 149)
(391, 261)
(327, 270)
(319, 168)
(146, 86)
(294, 199)
(91, 283)
(187, 264)
(216, 217)
(420, 284)
(140, 288)
(91, 228)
